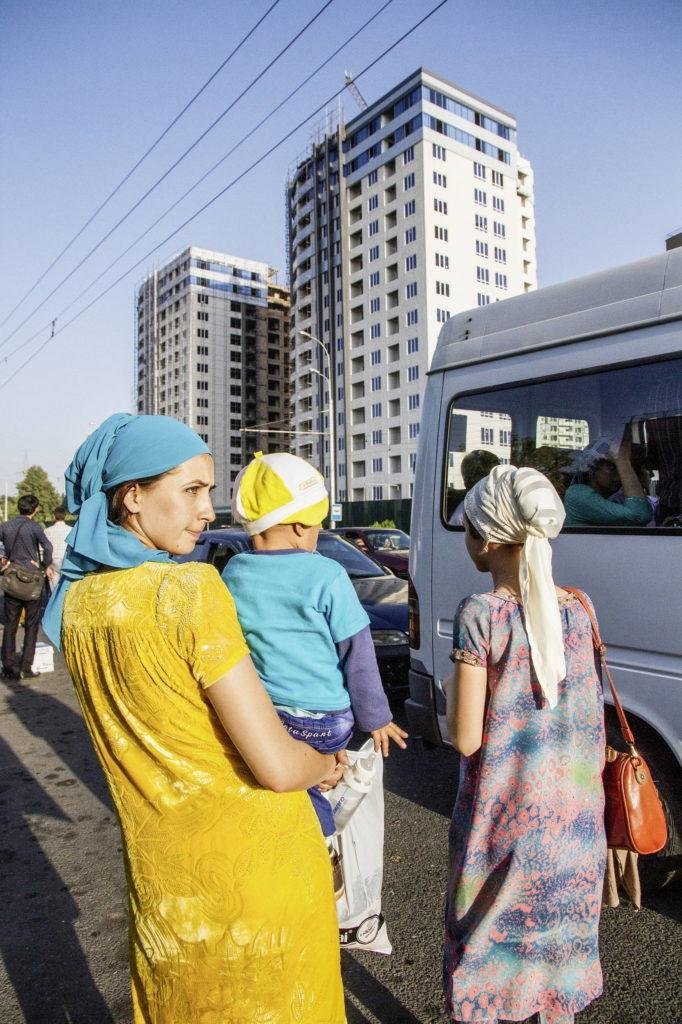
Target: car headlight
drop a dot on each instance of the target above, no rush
(388, 637)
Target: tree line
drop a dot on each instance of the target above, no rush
(35, 481)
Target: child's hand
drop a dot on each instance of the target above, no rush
(383, 736)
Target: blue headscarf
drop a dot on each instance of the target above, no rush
(123, 448)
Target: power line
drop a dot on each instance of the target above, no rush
(200, 180)
(144, 156)
(169, 170)
(227, 188)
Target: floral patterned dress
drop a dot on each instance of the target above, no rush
(527, 842)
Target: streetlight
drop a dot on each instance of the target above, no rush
(332, 432)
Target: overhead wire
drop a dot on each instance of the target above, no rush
(200, 180)
(141, 160)
(169, 170)
(226, 188)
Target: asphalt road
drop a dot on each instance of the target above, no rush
(62, 891)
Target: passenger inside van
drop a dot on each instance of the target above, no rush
(475, 465)
(605, 489)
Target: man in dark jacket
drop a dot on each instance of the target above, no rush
(23, 540)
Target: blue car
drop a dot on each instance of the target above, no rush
(381, 594)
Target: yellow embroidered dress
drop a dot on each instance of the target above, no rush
(232, 917)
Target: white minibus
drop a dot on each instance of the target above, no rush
(560, 379)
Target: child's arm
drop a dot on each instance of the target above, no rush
(369, 703)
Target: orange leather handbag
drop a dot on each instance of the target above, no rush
(633, 814)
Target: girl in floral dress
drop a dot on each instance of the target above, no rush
(525, 711)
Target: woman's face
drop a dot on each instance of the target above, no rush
(605, 478)
(171, 514)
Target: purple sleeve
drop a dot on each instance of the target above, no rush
(361, 674)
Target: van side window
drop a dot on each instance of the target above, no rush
(610, 442)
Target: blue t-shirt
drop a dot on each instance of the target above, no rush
(294, 607)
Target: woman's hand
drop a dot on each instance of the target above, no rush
(334, 778)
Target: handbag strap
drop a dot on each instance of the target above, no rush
(600, 648)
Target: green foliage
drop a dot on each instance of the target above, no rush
(385, 524)
(36, 481)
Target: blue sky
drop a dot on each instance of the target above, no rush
(85, 87)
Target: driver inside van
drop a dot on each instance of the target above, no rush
(606, 489)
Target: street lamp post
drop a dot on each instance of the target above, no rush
(330, 410)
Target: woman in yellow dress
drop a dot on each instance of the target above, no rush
(232, 917)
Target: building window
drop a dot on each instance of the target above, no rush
(377, 437)
(374, 278)
(408, 155)
(479, 171)
(376, 384)
(500, 254)
(413, 401)
(440, 206)
(442, 315)
(412, 346)
(487, 435)
(498, 178)
(202, 385)
(373, 228)
(499, 229)
(505, 436)
(410, 208)
(412, 373)
(375, 331)
(377, 465)
(374, 253)
(413, 431)
(411, 317)
(410, 236)
(501, 280)
(411, 262)
(372, 202)
(408, 181)
(498, 204)
(438, 152)
(202, 314)
(202, 332)
(481, 223)
(482, 299)
(480, 197)
(442, 288)
(374, 305)
(442, 261)
(481, 248)
(413, 461)
(339, 394)
(411, 290)
(375, 357)
(440, 179)
(372, 178)
(376, 410)
(377, 493)
(441, 233)
(483, 274)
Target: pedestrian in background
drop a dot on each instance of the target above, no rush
(25, 543)
(57, 534)
(232, 914)
(525, 711)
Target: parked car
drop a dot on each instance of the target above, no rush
(388, 547)
(383, 597)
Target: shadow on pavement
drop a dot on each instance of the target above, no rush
(427, 776)
(40, 949)
(373, 996)
(47, 718)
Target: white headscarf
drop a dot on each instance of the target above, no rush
(520, 506)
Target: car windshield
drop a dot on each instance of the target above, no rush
(354, 562)
(388, 540)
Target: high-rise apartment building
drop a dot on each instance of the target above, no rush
(212, 350)
(419, 207)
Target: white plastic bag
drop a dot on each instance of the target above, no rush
(361, 845)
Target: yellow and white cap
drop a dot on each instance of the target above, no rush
(278, 488)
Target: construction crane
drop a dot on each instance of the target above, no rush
(355, 92)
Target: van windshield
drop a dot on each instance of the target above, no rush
(610, 442)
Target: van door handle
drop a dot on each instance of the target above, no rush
(444, 628)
